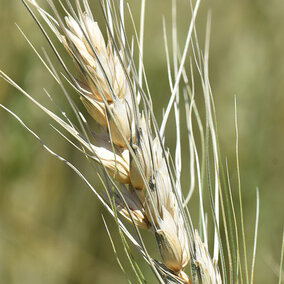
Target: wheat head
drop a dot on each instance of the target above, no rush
(141, 182)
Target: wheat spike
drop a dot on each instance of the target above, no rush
(129, 148)
(108, 91)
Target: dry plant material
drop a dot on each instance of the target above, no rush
(141, 181)
(108, 100)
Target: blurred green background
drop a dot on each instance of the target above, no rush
(51, 227)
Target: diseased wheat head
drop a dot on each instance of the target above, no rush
(140, 178)
(130, 153)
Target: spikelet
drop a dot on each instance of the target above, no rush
(96, 109)
(142, 152)
(135, 208)
(104, 79)
(207, 269)
(86, 40)
(173, 242)
(121, 122)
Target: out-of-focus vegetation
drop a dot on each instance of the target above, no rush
(51, 230)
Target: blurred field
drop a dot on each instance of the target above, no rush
(51, 227)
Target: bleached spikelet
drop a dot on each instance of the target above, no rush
(141, 148)
(96, 109)
(86, 41)
(120, 123)
(207, 269)
(135, 208)
(116, 163)
(163, 210)
(104, 80)
(173, 241)
(163, 194)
